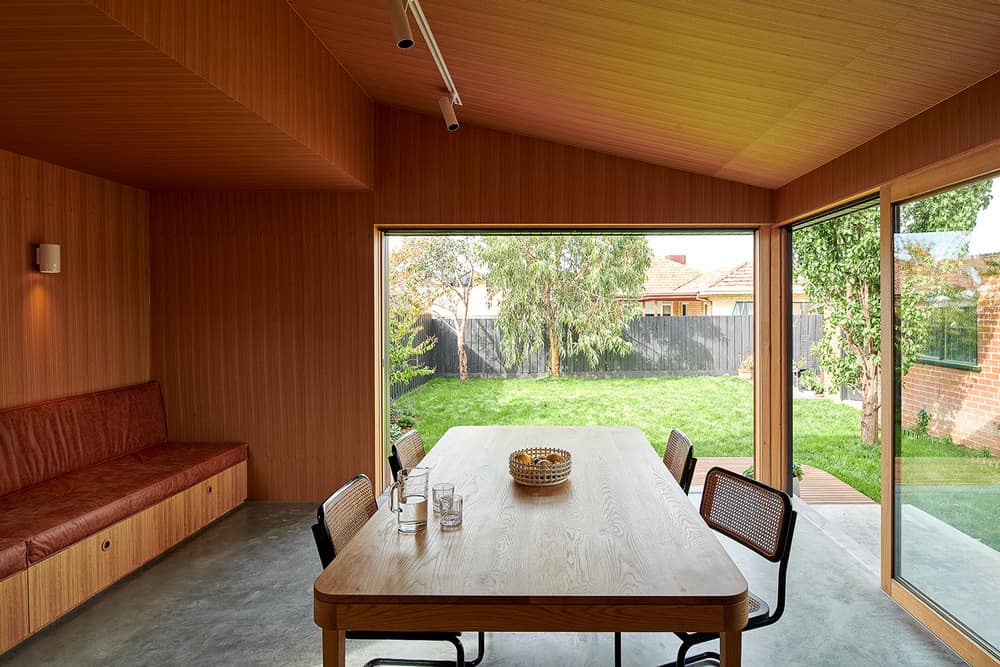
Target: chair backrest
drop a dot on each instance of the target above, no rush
(342, 515)
(408, 451)
(679, 458)
(755, 515)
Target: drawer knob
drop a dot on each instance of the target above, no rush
(209, 488)
(105, 545)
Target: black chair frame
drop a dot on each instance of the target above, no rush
(324, 545)
(688, 475)
(757, 619)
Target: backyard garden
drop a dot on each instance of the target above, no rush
(715, 412)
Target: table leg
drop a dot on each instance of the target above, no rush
(730, 648)
(333, 648)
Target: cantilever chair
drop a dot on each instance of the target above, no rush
(339, 519)
(679, 458)
(761, 519)
(407, 452)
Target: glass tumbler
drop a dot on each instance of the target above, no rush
(451, 513)
(441, 493)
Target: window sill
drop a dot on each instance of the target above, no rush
(944, 363)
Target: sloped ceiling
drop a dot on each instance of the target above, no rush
(757, 92)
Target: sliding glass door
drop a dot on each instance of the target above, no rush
(946, 254)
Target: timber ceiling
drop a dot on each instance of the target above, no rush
(187, 95)
(758, 92)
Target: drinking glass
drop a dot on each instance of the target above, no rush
(408, 499)
(441, 493)
(451, 514)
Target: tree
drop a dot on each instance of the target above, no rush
(580, 289)
(404, 350)
(441, 271)
(837, 263)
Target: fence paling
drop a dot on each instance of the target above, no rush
(696, 345)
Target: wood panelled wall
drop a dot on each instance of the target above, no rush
(262, 330)
(86, 328)
(964, 122)
(477, 176)
(269, 61)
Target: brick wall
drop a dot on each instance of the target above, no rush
(963, 404)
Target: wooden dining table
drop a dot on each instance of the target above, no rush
(617, 547)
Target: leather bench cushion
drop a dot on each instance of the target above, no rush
(42, 441)
(13, 557)
(54, 514)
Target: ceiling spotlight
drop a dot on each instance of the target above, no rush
(400, 24)
(448, 111)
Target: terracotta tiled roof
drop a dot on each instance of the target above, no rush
(664, 276)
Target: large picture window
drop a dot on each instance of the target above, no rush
(947, 481)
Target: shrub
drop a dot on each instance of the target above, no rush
(922, 426)
(809, 381)
(796, 472)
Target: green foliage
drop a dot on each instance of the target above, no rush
(796, 472)
(715, 412)
(439, 272)
(580, 291)
(404, 349)
(809, 381)
(402, 417)
(837, 263)
(953, 210)
(923, 423)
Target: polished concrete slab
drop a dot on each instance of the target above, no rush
(240, 592)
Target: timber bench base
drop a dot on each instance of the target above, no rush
(33, 598)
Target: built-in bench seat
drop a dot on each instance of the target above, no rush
(13, 557)
(90, 490)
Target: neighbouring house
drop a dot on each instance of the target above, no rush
(673, 288)
(662, 293)
(957, 377)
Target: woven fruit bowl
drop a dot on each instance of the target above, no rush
(540, 466)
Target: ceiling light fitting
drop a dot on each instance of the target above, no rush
(404, 40)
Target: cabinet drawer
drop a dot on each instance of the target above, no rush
(218, 494)
(13, 609)
(64, 580)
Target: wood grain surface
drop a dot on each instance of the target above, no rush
(225, 94)
(262, 331)
(13, 609)
(619, 532)
(758, 92)
(964, 122)
(87, 328)
(477, 176)
(69, 577)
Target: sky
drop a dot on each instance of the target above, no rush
(985, 237)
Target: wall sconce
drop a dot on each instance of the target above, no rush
(48, 258)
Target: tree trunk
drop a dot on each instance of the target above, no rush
(463, 357)
(553, 351)
(870, 403)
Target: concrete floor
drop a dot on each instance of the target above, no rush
(240, 592)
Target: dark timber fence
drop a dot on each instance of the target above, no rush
(709, 345)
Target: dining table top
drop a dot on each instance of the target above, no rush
(619, 530)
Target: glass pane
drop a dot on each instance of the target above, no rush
(947, 496)
(835, 310)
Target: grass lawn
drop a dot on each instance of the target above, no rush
(716, 412)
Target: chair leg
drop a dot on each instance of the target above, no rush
(683, 659)
(458, 662)
(618, 649)
(482, 651)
